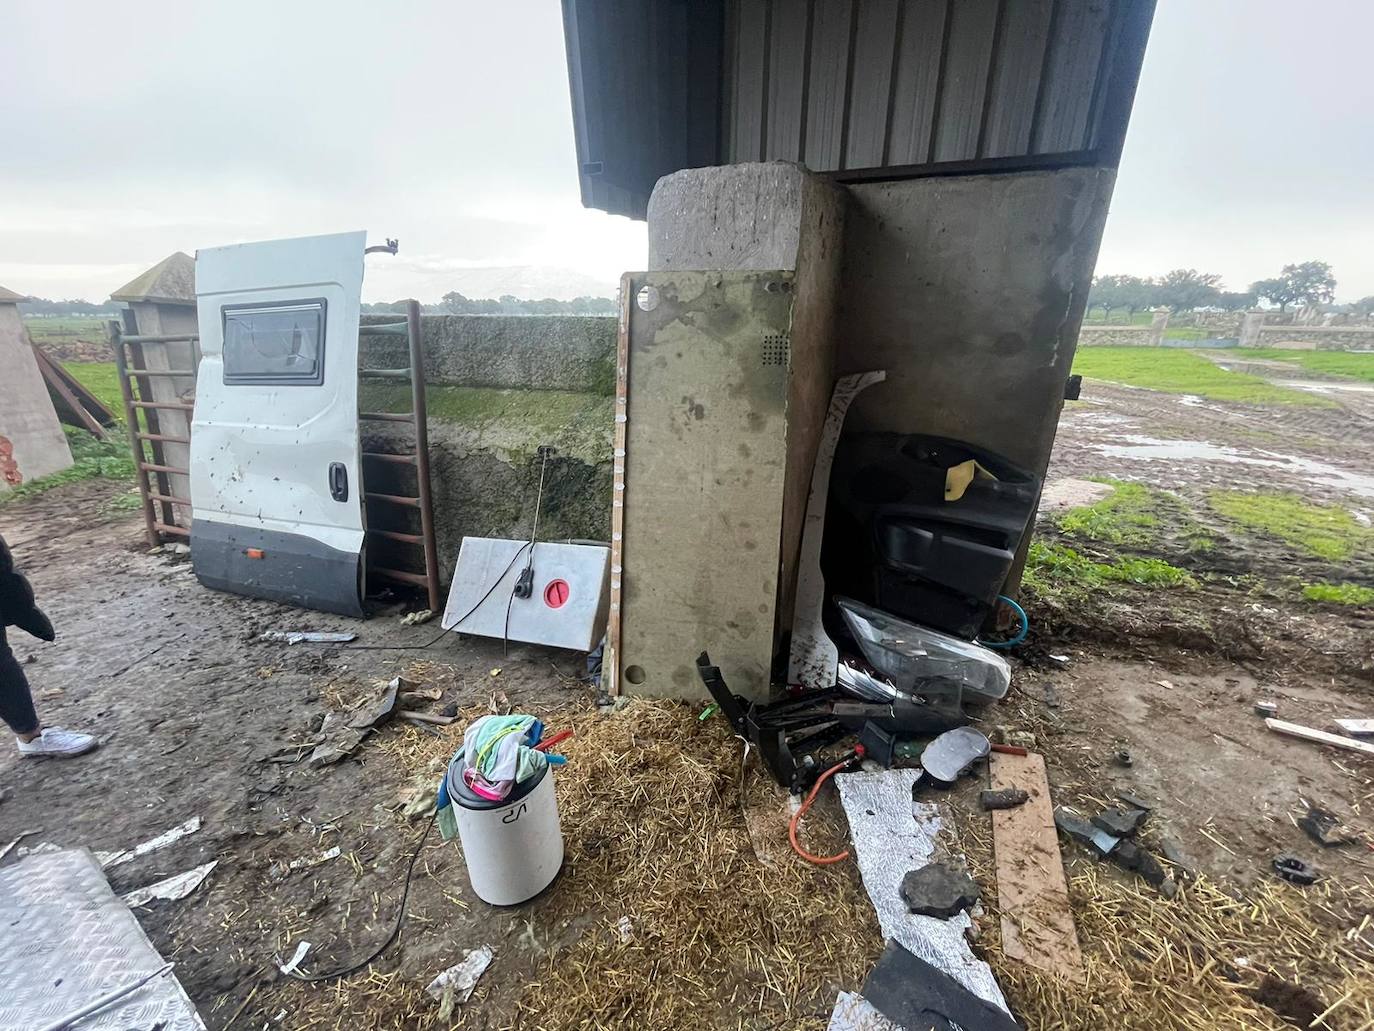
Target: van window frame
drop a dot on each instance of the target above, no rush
(315, 379)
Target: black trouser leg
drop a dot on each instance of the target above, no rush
(16, 702)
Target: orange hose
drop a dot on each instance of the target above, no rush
(796, 819)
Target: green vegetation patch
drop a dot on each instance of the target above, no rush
(1350, 364)
(108, 459)
(1054, 569)
(1179, 371)
(101, 379)
(1340, 594)
(1326, 531)
(1125, 516)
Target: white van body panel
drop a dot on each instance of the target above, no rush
(274, 414)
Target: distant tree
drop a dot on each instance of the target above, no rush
(1121, 291)
(1184, 289)
(1234, 300)
(1310, 282)
(1364, 306)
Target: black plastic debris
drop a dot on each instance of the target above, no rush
(939, 891)
(1119, 821)
(1007, 798)
(1324, 827)
(1095, 838)
(913, 994)
(1291, 868)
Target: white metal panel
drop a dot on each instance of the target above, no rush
(261, 452)
(480, 599)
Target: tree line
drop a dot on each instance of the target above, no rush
(454, 303)
(1186, 289)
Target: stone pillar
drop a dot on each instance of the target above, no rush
(1158, 324)
(32, 443)
(1250, 329)
(163, 303)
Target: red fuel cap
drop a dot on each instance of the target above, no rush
(556, 594)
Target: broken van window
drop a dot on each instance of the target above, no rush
(277, 343)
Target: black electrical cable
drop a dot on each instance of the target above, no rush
(395, 931)
(420, 647)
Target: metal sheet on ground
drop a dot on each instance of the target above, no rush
(1032, 893)
(891, 835)
(65, 936)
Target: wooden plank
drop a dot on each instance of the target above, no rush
(68, 407)
(1321, 737)
(1032, 893)
(610, 660)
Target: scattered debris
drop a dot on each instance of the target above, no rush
(280, 870)
(306, 637)
(426, 717)
(1094, 837)
(1032, 894)
(411, 694)
(625, 929)
(171, 888)
(1062, 660)
(423, 797)
(340, 734)
(179, 548)
(1131, 856)
(417, 618)
(891, 834)
(1135, 801)
(10, 847)
(451, 709)
(938, 890)
(953, 752)
(496, 672)
(913, 994)
(1319, 736)
(1121, 823)
(1267, 709)
(294, 963)
(181, 830)
(1008, 799)
(1356, 728)
(1324, 827)
(1291, 868)
(855, 1013)
(455, 985)
(1123, 758)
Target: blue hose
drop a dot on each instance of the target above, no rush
(1019, 636)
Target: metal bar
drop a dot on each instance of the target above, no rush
(396, 535)
(393, 499)
(171, 499)
(388, 416)
(179, 531)
(162, 338)
(150, 467)
(163, 372)
(418, 579)
(382, 456)
(150, 521)
(164, 438)
(977, 166)
(417, 389)
(610, 665)
(171, 406)
(54, 382)
(384, 373)
(385, 329)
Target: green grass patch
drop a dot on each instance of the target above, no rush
(1340, 594)
(1325, 531)
(108, 459)
(101, 379)
(1180, 371)
(1056, 570)
(65, 328)
(1350, 364)
(1125, 516)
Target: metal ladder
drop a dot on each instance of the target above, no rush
(154, 477)
(421, 501)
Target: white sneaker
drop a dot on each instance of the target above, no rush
(57, 742)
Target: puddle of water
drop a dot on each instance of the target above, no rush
(1152, 449)
(1327, 387)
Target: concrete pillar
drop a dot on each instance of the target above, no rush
(1250, 329)
(163, 302)
(32, 443)
(1158, 324)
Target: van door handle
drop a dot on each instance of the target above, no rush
(338, 481)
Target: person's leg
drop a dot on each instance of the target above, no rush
(16, 701)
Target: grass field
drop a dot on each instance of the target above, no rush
(1178, 371)
(101, 380)
(65, 327)
(1352, 364)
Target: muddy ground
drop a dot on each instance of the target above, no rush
(189, 703)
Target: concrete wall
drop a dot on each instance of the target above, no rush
(32, 443)
(970, 291)
(1313, 338)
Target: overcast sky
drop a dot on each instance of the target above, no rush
(131, 130)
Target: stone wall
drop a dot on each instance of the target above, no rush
(1314, 338)
(1115, 336)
